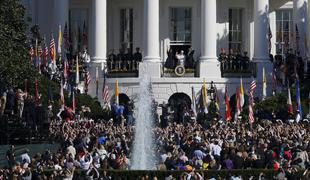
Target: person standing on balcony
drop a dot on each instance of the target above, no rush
(231, 58)
(120, 59)
(170, 61)
(137, 58)
(128, 59)
(180, 58)
(189, 61)
(111, 61)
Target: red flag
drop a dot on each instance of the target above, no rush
(227, 106)
(66, 38)
(289, 102)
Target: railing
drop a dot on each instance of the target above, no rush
(123, 68)
(231, 68)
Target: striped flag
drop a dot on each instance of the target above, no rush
(289, 102)
(105, 90)
(227, 105)
(66, 38)
(66, 67)
(194, 102)
(87, 80)
(31, 52)
(251, 101)
(53, 49)
(116, 93)
(264, 84)
(59, 40)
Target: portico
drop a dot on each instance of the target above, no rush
(157, 25)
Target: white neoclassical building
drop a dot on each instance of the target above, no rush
(158, 25)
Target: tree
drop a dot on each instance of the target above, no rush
(14, 59)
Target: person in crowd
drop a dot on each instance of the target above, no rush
(20, 96)
(10, 101)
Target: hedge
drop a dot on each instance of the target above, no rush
(207, 174)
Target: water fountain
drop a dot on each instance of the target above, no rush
(143, 148)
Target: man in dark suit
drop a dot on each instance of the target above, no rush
(10, 101)
(190, 62)
(137, 58)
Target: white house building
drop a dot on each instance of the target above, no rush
(157, 25)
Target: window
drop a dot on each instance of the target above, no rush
(77, 19)
(126, 34)
(235, 29)
(284, 30)
(181, 25)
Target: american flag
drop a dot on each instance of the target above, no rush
(40, 51)
(66, 67)
(52, 49)
(105, 90)
(66, 38)
(31, 51)
(87, 79)
(251, 101)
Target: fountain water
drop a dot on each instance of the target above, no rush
(143, 149)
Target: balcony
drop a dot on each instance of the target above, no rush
(238, 68)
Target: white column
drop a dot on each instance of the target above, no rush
(300, 19)
(261, 10)
(61, 14)
(261, 54)
(209, 66)
(99, 27)
(151, 60)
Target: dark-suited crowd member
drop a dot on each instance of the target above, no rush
(170, 61)
(137, 58)
(10, 156)
(10, 103)
(189, 61)
(111, 60)
(164, 115)
(128, 60)
(120, 59)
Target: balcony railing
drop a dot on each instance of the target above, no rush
(122, 69)
(235, 68)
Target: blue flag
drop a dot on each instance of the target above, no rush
(298, 102)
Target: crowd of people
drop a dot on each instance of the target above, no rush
(90, 145)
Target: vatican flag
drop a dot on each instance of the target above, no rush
(116, 93)
(264, 84)
(241, 100)
(59, 40)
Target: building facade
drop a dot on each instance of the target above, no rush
(159, 25)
